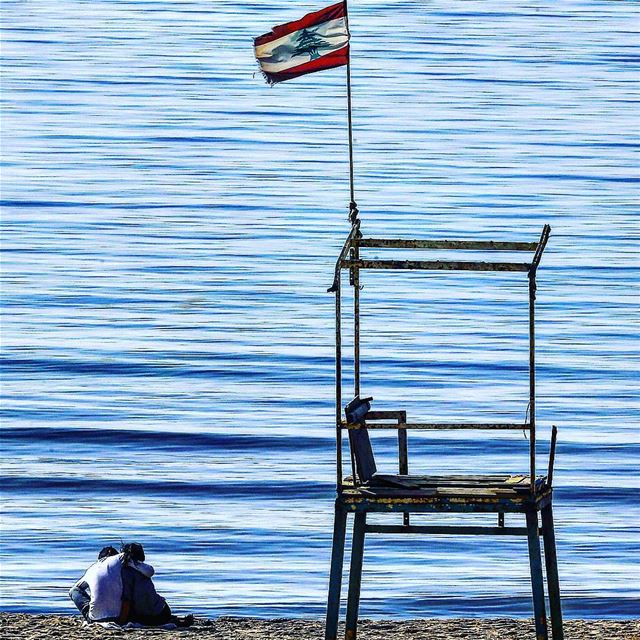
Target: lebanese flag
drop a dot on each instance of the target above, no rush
(318, 41)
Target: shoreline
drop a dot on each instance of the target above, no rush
(26, 626)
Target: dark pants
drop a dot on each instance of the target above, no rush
(154, 621)
(81, 598)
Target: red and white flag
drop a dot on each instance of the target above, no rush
(318, 41)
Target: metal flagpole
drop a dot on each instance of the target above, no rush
(355, 225)
(353, 208)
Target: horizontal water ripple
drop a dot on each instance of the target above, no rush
(154, 440)
(74, 486)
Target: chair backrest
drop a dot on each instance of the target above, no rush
(364, 460)
(362, 453)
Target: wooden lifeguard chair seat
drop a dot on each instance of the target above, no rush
(368, 482)
(366, 490)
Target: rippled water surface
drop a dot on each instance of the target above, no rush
(170, 229)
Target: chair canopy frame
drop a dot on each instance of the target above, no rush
(351, 260)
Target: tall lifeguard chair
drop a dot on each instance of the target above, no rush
(366, 490)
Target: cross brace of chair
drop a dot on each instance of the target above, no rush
(446, 530)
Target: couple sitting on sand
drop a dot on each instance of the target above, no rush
(118, 588)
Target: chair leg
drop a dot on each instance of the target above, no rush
(537, 581)
(355, 575)
(551, 562)
(335, 578)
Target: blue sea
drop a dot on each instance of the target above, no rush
(170, 228)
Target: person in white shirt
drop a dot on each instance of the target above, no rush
(99, 593)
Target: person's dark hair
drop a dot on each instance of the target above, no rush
(107, 552)
(133, 551)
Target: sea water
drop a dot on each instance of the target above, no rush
(170, 228)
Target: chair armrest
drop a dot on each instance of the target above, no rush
(400, 416)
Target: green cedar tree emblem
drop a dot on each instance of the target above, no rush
(309, 42)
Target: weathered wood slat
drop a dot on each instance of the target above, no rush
(502, 477)
(436, 425)
(440, 489)
(495, 477)
(470, 245)
(383, 493)
(463, 494)
(466, 488)
(437, 265)
(413, 481)
(472, 491)
(383, 484)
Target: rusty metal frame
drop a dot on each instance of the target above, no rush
(350, 259)
(441, 426)
(440, 265)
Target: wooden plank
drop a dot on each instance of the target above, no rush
(444, 492)
(462, 486)
(469, 245)
(382, 480)
(437, 265)
(436, 425)
(501, 477)
(472, 491)
(464, 477)
(388, 492)
(402, 482)
(443, 480)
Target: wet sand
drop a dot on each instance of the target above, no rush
(19, 626)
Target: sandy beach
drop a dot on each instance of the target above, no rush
(20, 626)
